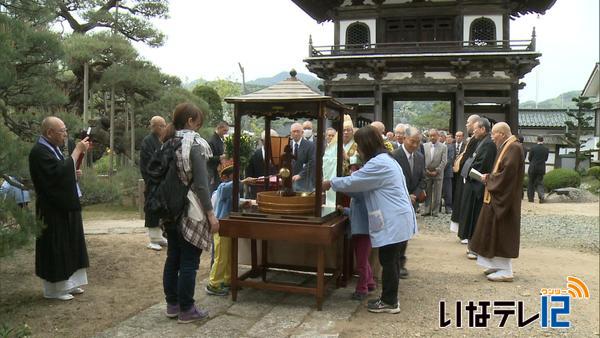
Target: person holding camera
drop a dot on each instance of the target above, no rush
(61, 255)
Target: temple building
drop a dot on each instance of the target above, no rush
(401, 50)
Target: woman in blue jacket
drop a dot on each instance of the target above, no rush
(391, 220)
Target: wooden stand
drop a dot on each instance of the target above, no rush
(320, 235)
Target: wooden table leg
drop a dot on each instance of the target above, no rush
(264, 259)
(254, 259)
(320, 277)
(234, 268)
(347, 261)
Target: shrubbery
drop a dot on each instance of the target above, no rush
(594, 171)
(98, 189)
(561, 178)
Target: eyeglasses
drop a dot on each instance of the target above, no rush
(61, 130)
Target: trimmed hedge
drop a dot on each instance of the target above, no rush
(594, 171)
(561, 178)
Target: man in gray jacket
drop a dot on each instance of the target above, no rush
(436, 156)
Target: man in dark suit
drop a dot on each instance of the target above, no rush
(303, 166)
(256, 166)
(538, 155)
(412, 163)
(217, 145)
(150, 144)
(448, 173)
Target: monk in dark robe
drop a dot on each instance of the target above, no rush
(482, 160)
(60, 252)
(458, 187)
(497, 234)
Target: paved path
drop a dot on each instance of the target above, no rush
(257, 313)
(103, 227)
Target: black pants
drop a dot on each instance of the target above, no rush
(151, 220)
(447, 193)
(388, 258)
(536, 183)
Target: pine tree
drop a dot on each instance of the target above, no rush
(575, 128)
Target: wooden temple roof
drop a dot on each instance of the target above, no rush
(323, 10)
(288, 90)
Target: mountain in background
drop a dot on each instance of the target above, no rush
(263, 82)
(562, 101)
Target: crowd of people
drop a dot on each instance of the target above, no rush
(388, 179)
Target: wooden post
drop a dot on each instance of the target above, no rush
(459, 110)
(267, 145)
(340, 154)
(513, 113)
(319, 161)
(236, 158)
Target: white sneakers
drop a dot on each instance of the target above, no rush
(464, 241)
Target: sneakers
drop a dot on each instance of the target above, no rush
(76, 291)
(464, 241)
(403, 273)
(192, 315)
(172, 310)
(215, 291)
(154, 246)
(378, 306)
(358, 296)
(471, 255)
(500, 276)
(66, 296)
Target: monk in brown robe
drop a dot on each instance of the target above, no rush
(497, 234)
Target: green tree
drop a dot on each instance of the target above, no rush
(437, 117)
(213, 99)
(575, 127)
(29, 75)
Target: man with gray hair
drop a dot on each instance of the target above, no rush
(150, 144)
(412, 163)
(303, 165)
(436, 156)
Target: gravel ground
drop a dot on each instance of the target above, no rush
(553, 231)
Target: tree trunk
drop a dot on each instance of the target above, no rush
(132, 155)
(112, 132)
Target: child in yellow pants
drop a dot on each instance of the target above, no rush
(220, 273)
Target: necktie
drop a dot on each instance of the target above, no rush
(457, 148)
(410, 162)
(295, 148)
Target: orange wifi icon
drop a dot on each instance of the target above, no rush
(577, 288)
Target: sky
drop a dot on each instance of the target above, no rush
(207, 39)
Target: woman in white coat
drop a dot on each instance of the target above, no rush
(391, 220)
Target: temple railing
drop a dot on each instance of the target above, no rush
(434, 47)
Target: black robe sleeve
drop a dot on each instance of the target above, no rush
(54, 180)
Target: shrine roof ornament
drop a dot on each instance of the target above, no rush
(323, 10)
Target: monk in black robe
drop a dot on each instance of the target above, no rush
(458, 187)
(150, 144)
(482, 160)
(60, 252)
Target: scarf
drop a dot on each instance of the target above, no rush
(487, 197)
(188, 139)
